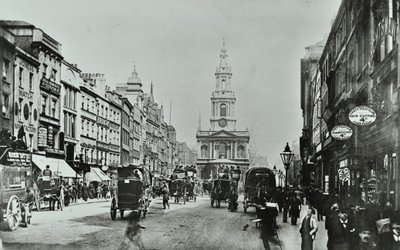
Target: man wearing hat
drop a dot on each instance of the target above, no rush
(339, 231)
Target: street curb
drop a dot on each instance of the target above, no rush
(88, 202)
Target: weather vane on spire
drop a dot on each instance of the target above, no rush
(223, 45)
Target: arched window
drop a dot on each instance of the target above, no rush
(240, 151)
(204, 151)
(223, 109)
(223, 84)
(222, 151)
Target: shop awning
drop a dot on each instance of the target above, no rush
(57, 166)
(101, 174)
(96, 174)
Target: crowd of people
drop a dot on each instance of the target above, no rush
(348, 225)
(62, 193)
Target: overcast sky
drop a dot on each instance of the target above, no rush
(176, 44)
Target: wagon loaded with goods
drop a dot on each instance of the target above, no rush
(15, 169)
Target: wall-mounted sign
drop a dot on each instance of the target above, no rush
(50, 86)
(42, 137)
(362, 115)
(341, 132)
(50, 136)
(19, 157)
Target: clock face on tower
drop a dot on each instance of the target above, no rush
(222, 122)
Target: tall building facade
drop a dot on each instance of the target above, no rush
(359, 66)
(223, 144)
(7, 51)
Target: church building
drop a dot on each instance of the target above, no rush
(222, 144)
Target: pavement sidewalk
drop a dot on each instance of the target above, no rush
(81, 202)
(289, 235)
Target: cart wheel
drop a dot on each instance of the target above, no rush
(212, 202)
(13, 213)
(121, 213)
(113, 210)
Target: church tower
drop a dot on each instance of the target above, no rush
(223, 98)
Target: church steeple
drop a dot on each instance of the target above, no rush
(223, 72)
(223, 98)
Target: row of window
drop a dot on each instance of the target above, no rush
(49, 106)
(222, 151)
(90, 129)
(100, 110)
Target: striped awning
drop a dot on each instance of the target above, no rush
(96, 174)
(58, 167)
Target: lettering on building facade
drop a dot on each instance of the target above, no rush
(50, 86)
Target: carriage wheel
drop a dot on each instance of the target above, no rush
(13, 213)
(113, 210)
(212, 202)
(121, 213)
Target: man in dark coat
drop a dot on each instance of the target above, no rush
(294, 210)
(340, 228)
(332, 213)
(85, 192)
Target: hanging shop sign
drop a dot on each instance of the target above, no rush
(344, 174)
(42, 137)
(341, 132)
(362, 115)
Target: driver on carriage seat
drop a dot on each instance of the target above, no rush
(47, 174)
(138, 174)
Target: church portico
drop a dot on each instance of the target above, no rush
(222, 144)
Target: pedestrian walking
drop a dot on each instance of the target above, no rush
(99, 191)
(294, 210)
(308, 230)
(85, 192)
(133, 238)
(165, 192)
(286, 205)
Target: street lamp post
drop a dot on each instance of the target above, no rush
(287, 157)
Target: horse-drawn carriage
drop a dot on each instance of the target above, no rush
(48, 193)
(133, 191)
(260, 188)
(220, 191)
(15, 203)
